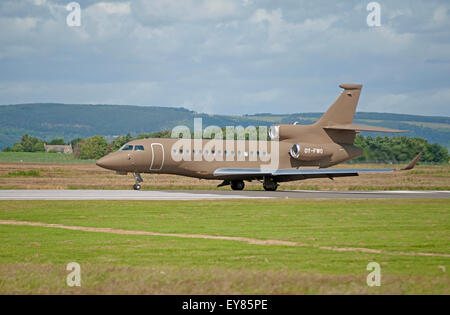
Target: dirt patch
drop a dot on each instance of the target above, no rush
(129, 232)
(251, 241)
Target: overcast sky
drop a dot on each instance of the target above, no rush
(227, 56)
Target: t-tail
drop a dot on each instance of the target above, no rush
(340, 115)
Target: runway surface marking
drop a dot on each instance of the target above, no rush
(251, 241)
(379, 191)
(211, 194)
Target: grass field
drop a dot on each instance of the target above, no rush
(17, 175)
(226, 247)
(41, 157)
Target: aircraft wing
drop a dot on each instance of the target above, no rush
(294, 174)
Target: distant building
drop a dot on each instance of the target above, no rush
(66, 149)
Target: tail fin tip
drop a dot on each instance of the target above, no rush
(343, 109)
(350, 86)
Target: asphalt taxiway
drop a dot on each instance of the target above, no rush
(212, 194)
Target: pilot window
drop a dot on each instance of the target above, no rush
(139, 148)
(127, 147)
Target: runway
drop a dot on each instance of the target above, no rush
(212, 194)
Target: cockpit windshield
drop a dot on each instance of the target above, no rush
(139, 148)
(127, 147)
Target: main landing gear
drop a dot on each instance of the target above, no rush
(139, 180)
(270, 184)
(237, 184)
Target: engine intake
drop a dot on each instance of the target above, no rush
(309, 151)
(295, 151)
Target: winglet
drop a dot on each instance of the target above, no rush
(413, 163)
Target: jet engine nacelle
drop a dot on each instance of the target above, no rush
(286, 132)
(283, 132)
(309, 151)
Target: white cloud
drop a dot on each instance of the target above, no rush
(273, 17)
(264, 96)
(440, 15)
(90, 93)
(173, 11)
(120, 8)
(438, 19)
(39, 2)
(18, 25)
(435, 101)
(228, 56)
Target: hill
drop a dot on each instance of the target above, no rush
(49, 121)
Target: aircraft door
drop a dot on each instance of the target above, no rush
(157, 157)
(131, 159)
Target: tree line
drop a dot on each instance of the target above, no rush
(89, 148)
(396, 149)
(399, 149)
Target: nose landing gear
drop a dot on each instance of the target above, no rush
(139, 180)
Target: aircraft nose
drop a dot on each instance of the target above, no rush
(103, 162)
(109, 162)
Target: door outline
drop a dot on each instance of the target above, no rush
(153, 157)
(132, 159)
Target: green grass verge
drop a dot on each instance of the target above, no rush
(32, 173)
(40, 157)
(32, 259)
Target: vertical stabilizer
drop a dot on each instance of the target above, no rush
(343, 109)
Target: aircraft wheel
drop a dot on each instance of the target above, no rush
(137, 187)
(270, 184)
(270, 187)
(237, 184)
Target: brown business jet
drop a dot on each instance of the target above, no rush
(299, 152)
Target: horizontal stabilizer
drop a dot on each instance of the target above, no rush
(357, 128)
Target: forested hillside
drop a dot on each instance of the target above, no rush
(49, 121)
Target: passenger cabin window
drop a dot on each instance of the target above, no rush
(139, 148)
(127, 147)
